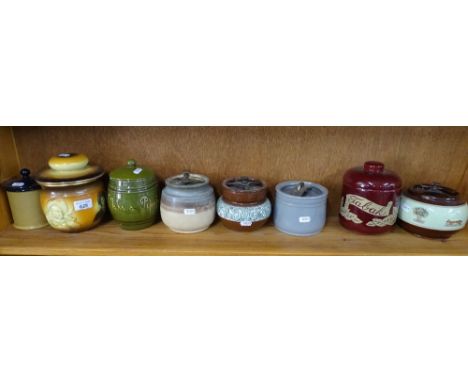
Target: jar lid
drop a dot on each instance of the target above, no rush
(302, 189)
(372, 176)
(434, 193)
(23, 184)
(132, 176)
(69, 169)
(187, 180)
(244, 189)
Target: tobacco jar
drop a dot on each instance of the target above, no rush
(72, 195)
(300, 207)
(188, 203)
(23, 197)
(432, 210)
(244, 205)
(370, 198)
(132, 196)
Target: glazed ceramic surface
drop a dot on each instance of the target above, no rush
(433, 211)
(74, 209)
(370, 199)
(243, 205)
(23, 197)
(243, 215)
(244, 190)
(303, 213)
(72, 198)
(188, 203)
(133, 196)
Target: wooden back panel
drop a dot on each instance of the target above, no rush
(9, 167)
(320, 154)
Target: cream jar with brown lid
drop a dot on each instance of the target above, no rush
(188, 203)
(72, 195)
(432, 210)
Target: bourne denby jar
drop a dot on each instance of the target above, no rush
(432, 210)
(188, 203)
(72, 195)
(133, 196)
(23, 197)
(243, 205)
(300, 207)
(370, 199)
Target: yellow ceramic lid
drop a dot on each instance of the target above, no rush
(68, 161)
(69, 169)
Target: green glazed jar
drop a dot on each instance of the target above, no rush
(133, 196)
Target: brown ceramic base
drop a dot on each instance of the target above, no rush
(237, 227)
(424, 232)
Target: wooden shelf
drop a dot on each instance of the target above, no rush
(109, 239)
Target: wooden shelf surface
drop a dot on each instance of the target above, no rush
(110, 239)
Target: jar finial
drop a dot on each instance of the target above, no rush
(25, 172)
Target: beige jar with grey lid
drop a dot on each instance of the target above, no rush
(23, 197)
(188, 203)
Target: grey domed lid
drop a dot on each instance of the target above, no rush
(187, 180)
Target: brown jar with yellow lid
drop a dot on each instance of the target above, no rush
(72, 195)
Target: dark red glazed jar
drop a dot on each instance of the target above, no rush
(370, 199)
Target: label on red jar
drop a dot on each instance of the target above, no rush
(383, 215)
(245, 223)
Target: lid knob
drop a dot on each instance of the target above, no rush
(25, 172)
(373, 167)
(131, 163)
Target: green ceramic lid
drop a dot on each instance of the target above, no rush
(131, 177)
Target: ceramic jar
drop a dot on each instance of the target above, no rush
(23, 197)
(72, 196)
(432, 210)
(188, 203)
(300, 208)
(243, 205)
(370, 199)
(133, 196)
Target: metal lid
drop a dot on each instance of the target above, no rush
(69, 169)
(23, 184)
(301, 192)
(131, 176)
(435, 193)
(244, 184)
(187, 180)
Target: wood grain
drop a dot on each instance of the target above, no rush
(109, 239)
(320, 154)
(9, 167)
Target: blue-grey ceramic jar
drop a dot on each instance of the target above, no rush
(300, 211)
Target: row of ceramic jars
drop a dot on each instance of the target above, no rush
(73, 200)
(372, 201)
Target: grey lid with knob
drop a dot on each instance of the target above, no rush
(187, 180)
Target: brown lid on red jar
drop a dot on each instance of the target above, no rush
(434, 193)
(244, 190)
(372, 176)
